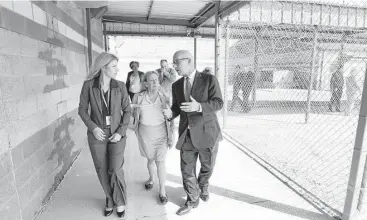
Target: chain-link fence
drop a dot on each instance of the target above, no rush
(293, 96)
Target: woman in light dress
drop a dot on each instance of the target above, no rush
(153, 130)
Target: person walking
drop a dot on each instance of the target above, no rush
(109, 105)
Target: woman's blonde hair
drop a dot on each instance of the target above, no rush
(103, 59)
(147, 74)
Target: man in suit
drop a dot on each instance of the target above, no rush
(196, 97)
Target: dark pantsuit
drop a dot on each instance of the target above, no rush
(108, 160)
(189, 156)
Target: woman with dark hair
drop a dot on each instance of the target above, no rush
(109, 116)
(135, 80)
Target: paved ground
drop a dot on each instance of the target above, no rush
(240, 189)
(317, 155)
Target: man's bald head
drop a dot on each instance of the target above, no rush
(182, 54)
(183, 62)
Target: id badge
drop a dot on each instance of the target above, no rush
(108, 120)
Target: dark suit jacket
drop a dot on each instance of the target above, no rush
(204, 127)
(120, 106)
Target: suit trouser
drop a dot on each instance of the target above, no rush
(189, 155)
(108, 159)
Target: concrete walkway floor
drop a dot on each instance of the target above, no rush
(240, 189)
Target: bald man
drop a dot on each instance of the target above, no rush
(196, 97)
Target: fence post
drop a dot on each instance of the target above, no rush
(321, 69)
(312, 75)
(256, 65)
(226, 59)
(354, 200)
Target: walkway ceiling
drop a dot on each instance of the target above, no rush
(177, 17)
(189, 13)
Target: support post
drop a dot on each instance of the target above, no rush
(105, 37)
(217, 35)
(89, 36)
(355, 199)
(321, 69)
(312, 74)
(225, 89)
(195, 52)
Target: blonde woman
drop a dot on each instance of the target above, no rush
(107, 98)
(153, 131)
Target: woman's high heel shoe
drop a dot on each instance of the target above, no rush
(120, 214)
(109, 211)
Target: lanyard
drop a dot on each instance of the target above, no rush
(106, 102)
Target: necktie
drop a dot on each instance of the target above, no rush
(187, 89)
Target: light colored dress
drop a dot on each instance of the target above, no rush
(152, 132)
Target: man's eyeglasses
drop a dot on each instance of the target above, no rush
(175, 63)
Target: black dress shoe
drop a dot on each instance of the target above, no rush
(187, 208)
(204, 197)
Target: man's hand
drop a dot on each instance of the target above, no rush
(167, 113)
(116, 137)
(99, 134)
(192, 106)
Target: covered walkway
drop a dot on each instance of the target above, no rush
(240, 189)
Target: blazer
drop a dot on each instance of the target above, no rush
(120, 106)
(137, 100)
(204, 127)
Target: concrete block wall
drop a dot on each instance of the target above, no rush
(43, 63)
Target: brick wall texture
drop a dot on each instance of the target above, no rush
(43, 63)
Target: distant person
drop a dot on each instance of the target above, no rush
(135, 80)
(238, 77)
(247, 87)
(352, 90)
(336, 87)
(166, 76)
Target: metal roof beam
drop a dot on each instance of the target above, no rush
(151, 34)
(98, 12)
(226, 8)
(150, 9)
(121, 19)
(203, 12)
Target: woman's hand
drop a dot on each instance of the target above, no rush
(99, 134)
(116, 137)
